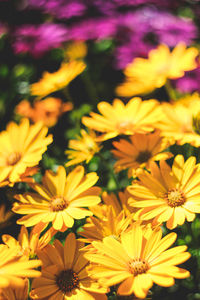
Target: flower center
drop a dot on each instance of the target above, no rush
(175, 197)
(138, 266)
(58, 203)
(13, 158)
(196, 123)
(143, 156)
(67, 280)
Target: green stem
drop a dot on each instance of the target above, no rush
(110, 169)
(67, 94)
(170, 91)
(90, 87)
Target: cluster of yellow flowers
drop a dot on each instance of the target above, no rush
(121, 243)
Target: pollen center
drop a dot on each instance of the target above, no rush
(13, 158)
(143, 156)
(138, 266)
(67, 280)
(58, 203)
(175, 197)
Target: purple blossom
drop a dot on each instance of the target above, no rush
(155, 27)
(38, 39)
(190, 82)
(61, 9)
(65, 9)
(94, 29)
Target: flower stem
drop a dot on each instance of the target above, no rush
(170, 90)
(90, 87)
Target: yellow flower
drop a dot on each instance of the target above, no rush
(64, 274)
(76, 50)
(16, 293)
(111, 225)
(25, 177)
(13, 270)
(144, 75)
(137, 261)
(181, 120)
(137, 154)
(22, 146)
(83, 148)
(52, 82)
(29, 245)
(118, 202)
(168, 194)
(136, 116)
(60, 199)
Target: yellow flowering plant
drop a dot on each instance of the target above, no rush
(103, 202)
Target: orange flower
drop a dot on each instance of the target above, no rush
(22, 147)
(64, 274)
(137, 154)
(137, 261)
(60, 199)
(136, 116)
(48, 110)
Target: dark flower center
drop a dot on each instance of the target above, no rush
(143, 156)
(58, 203)
(175, 197)
(138, 266)
(67, 280)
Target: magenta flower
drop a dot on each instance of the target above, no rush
(38, 39)
(61, 9)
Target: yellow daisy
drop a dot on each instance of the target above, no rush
(137, 261)
(64, 274)
(111, 225)
(118, 202)
(146, 74)
(13, 269)
(16, 293)
(168, 194)
(22, 146)
(52, 82)
(60, 199)
(83, 148)
(136, 116)
(29, 245)
(181, 120)
(137, 154)
(76, 50)
(25, 177)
